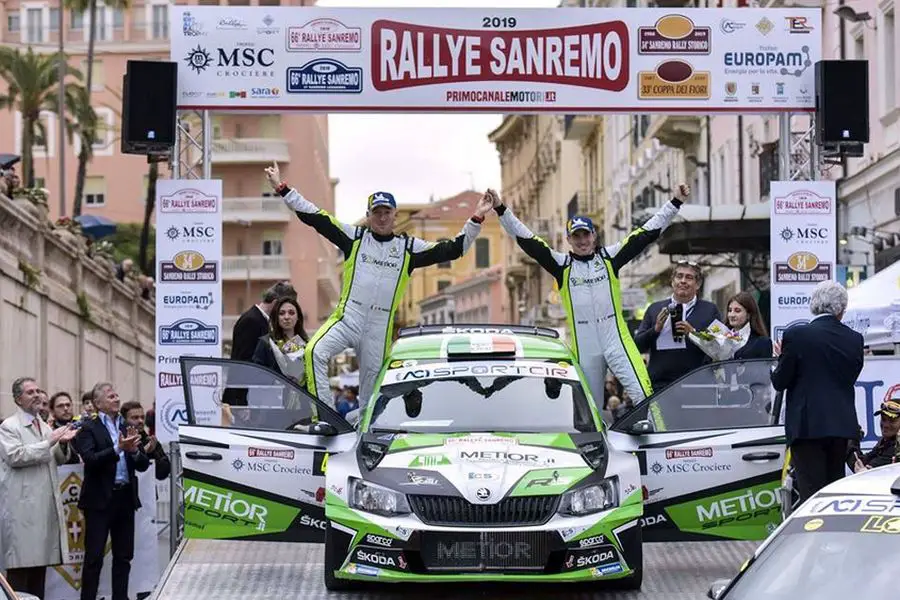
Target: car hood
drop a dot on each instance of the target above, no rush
(482, 467)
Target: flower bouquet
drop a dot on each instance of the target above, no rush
(718, 341)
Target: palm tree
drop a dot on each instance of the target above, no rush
(149, 205)
(89, 135)
(32, 81)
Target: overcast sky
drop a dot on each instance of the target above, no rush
(413, 156)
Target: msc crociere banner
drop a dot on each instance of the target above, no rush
(188, 296)
(517, 60)
(803, 248)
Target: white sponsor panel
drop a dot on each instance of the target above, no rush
(521, 368)
(518, 60)
(63, 582)
(188, 300)
(803, 248)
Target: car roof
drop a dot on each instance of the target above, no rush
(435, 344)
(873, 481)
(881, 482)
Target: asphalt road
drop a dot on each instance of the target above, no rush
(224, 570)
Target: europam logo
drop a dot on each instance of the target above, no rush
(188, 309)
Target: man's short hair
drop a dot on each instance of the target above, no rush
(279, 290)
(688, 264)
(18, 386)
(129, 406)
(828, 298)
(56, 397)
(99, 390)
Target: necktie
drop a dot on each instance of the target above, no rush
(37, 427)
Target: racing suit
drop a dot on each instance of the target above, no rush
(376, 272)
(589, 290)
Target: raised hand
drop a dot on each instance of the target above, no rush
(485, 205)
(684, 192)
(273, 175)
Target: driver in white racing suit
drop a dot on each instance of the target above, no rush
(377, 266)
(588, 281)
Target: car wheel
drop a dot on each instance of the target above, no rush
(336, 546)
(633, 549)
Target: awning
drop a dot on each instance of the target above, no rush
(718, 230)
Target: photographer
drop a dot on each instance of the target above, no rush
(667, 323)
(133, 414)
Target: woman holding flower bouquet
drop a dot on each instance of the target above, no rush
(744, 337)
(282, 349)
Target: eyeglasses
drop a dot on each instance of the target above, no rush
(688, 263)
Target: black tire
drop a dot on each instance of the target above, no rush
(335, 552)
(634, 556)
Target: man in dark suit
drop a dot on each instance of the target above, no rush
(671, 358)
(818, 366)
(112, 453)
(249, 327)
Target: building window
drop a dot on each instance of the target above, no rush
(444, 265)
(34, 26)
(482, 253)
(77, 20)
(159, 20)
(54, 19)
(118, 18)
(272, 248)
(890, 50)
(100, 30)
(12, 23)
(98, 77)
(442, 284)
(270, 2)
(94, 191)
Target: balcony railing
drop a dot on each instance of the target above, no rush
(256, 268)
(259, 209)
(249, 150)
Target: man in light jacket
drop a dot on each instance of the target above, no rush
(31, 514)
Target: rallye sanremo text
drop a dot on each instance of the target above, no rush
(480, 457)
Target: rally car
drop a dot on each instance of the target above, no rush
(480, 456)
(841, 543)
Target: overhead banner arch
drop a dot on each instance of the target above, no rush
(591, 60)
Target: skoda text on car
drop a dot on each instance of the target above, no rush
(480, 456)
(841, 543)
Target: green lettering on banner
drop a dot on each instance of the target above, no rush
(549, 482)
(212, 512)
(429, 460)
(743, 514)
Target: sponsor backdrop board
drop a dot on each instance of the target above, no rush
(63, 582)
(803, 247)
(520, 60)
(188, 296)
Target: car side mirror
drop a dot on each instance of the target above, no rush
(641, 427)
(323, 428)
(718, 586)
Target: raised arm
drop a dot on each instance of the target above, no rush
(635, 242)
(550, 260)
(325, 224)
(431, 253)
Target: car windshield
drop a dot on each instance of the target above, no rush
(826, 564)
(520, 396)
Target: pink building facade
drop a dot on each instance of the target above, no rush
(478, 299)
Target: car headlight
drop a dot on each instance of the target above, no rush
(376, 499)
(591, 499)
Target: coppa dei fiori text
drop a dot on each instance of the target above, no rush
(594, 55)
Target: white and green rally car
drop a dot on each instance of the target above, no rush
(479, 457)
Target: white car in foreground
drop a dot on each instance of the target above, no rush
(841, 543)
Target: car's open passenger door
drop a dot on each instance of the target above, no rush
(257, 473)
(711, 448)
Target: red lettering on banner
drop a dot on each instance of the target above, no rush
(593, 56)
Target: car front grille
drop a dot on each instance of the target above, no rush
(459, 512)
(487, 551)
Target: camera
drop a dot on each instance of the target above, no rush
(676, 314)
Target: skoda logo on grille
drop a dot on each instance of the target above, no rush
(482, 493)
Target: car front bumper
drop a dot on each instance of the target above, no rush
(403, 549)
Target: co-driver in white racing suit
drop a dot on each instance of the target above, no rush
(589, 290)
(377, 266)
